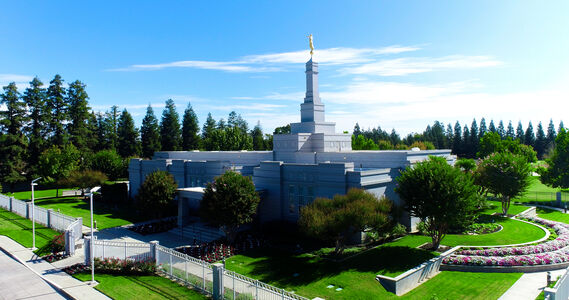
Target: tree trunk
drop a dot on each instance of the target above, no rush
(339, 246)
(505, 205)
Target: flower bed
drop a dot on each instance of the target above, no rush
(115, 266)
(218, 250)
(551, 252)
(54, 257)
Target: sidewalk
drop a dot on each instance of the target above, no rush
(529, 286)
(63, 282)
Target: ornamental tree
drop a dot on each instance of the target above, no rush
(506, 175)
(492, 143)
(341, 217)
(557, 172)
(156, 194)
(439, 194)
(230, 201)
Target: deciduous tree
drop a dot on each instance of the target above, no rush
(557, 172)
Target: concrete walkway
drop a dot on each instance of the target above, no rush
(529, 286)
(61, 281)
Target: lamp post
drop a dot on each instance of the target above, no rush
(33, 216)
(91, 244)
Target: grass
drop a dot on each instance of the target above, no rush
(553, 215)
(20, 230)
(146, 287)
(356, 274)
(27, 195)
(107, 215)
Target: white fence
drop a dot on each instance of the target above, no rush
(189, 270)
(560, 290)
(122, 250)
(185, 268)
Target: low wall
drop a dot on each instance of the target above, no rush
(528, 213)
(414, 277)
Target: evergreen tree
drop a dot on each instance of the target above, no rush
(150, 133)
(483, 128)
(110, 125)
(190, 128)
(492, 127)
(357, 130)
(510, 131)
(449, 133)
(92, 139)
(170, 132)
(551, 135)
(540, 141)
(457, 139)
(57, 105)
(501, 130)
(232, 119)
(561, 126)
(466, 146)
(78, 113)
(520, 132)
(208, 127)
(101, 133)
(35, 98)
(221, 124)
(474, 138)
(129, 144)
(257, 135)
(529, 136)
(13, 142)
(396, 139)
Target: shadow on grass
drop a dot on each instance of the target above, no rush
(277, 267)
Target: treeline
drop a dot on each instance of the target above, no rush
(463, 140)
(42, 128)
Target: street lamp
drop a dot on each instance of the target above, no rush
(33, 216)
(91, 250)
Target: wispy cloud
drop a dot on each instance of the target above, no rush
(413, 65)
(275, 61)
(22, 81)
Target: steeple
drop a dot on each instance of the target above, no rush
(312, 110)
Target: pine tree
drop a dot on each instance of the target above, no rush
(357, 130)
(101, 133)
(492, 127)
(551, 135)
(501, 130)
(474, 138)
(170, 133)
(150, 133)
(35, 98)
(78, 113)
(561, 126)
(190, 128)
(483, 128)
(57, 105)
(529, 136)
(520, 136)
(257, 135)
(92, 139)
(110, 125)
(221, 124)
(466, 146)
(510, 132)
(129, 144)
(457, 139)
(208, 127)
(449, 133)
(13, 142)
(540, 141)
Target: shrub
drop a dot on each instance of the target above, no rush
(57, 244)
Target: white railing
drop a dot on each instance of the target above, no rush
(121, 250)
(238, 286)
(190, 270)
(560, 290)
(5, 201)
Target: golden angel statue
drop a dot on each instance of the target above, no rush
(311, 44)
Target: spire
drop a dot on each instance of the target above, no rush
(312, 95)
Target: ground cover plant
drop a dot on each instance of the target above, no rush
(107, 215)
(140, 287)
(20, 230)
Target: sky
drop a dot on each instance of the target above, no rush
(394, 64)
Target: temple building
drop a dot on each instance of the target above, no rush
(312, 161)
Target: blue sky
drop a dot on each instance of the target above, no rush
(397, 64)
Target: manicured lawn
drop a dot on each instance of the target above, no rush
(20, 230)
(105, 214)
(497, 208)
(552, 215)
(537, 186)
(27, 195)
(140, 287)
(464, 285)
(355, 275)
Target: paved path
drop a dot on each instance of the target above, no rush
(19, 282)
(166, 239)
(63, 282)
(529, 286)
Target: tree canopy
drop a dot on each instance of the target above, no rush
(557, 172)
(157, 192)
(439, 194)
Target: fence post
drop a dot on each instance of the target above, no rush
(11, 203)
(256, 289)
(558, 198)
(49, 212)
(217, 281)
(69, 242)
(154, 251)
(28, 210)
(87, 248)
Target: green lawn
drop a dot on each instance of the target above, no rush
(497, 208)
(553, 215)
(27, 195)
(105, 214)
(20, 230)
(140, 287)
